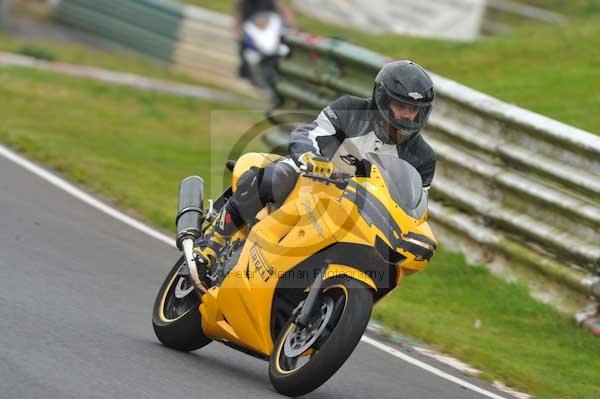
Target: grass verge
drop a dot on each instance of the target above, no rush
(134, 147)
(497, 327)
(552, 70)
(119, 61)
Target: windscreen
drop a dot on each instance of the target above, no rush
(404, 183)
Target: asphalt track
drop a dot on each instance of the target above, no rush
(76, 293)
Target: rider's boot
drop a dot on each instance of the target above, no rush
(208, 247)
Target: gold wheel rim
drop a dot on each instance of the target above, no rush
(288, 331)
(161, 311)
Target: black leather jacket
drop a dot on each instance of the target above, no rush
(346, 129)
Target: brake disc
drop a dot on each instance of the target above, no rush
(180, 291)
(299, 340)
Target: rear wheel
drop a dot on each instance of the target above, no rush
(304, 358)
(175, 317)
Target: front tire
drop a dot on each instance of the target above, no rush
(175, 316)
(340, 331)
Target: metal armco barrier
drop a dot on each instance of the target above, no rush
(193, 40)
(520, 184)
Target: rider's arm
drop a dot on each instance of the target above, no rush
(324, 135)
(427, 170)
(426, 161)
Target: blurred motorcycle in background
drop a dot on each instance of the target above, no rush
(262, 48)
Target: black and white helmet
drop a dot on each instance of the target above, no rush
(407, 84)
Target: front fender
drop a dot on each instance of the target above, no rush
(335, 270)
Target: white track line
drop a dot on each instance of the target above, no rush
(427, 367)
(83, 196)
(88, 199)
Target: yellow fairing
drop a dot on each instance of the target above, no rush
(313, 218)
(246, 161)
(376, 185)
(240, 309)
(413, 263)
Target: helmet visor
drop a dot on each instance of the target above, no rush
(408, 117)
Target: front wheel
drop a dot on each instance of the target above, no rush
(304, 358)
(175, 316)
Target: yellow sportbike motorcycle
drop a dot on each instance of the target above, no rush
(297, 287)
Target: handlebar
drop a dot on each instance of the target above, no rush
(339, 179)
(341, 176)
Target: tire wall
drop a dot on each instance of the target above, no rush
(192, 40)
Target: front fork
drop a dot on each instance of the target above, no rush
(305, 312)
(188, 246)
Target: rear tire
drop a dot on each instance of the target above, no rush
(176, 321)
(336, 343)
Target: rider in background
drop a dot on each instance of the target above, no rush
(243, 11)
